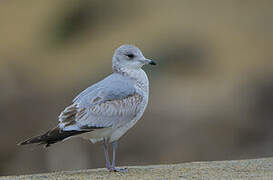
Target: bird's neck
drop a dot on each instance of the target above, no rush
(135, 74)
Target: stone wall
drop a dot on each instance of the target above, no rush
(237, 169)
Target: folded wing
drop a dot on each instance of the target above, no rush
(105, 105)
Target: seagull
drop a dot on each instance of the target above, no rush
(106, 110)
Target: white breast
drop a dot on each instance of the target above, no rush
(115, 132)
(142, 86)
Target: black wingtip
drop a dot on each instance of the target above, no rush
(152, 63)
(20, 144)
(29, 141)
(50, 137)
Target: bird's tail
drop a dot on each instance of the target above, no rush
(50, 137)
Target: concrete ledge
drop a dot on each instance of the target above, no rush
(240, 169)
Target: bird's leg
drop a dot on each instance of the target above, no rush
(115, 145)
(114, 168)
(108, 164)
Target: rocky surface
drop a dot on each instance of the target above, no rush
(238, 169)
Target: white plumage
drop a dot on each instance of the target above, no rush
(114, 104)
(108, 109)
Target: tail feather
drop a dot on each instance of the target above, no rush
(50, 137)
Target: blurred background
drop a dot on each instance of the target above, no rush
(211, 93)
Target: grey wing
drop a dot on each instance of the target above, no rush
(110, 104)
(115, 81)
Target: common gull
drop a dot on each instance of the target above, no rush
(106, 110)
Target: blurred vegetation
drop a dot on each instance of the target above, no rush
(211, 94)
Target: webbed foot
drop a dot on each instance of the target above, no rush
(115, 169)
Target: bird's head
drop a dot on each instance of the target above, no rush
(129, 56)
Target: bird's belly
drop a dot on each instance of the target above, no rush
(111, 134)
(118, 132)
(114, 133)
(97, 135)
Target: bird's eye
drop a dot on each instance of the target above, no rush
(130, 55)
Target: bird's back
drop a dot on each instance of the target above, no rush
(108, 108)
(112, 106)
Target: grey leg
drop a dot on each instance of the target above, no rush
(114, 168)
(108, 164)
(115, 145)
